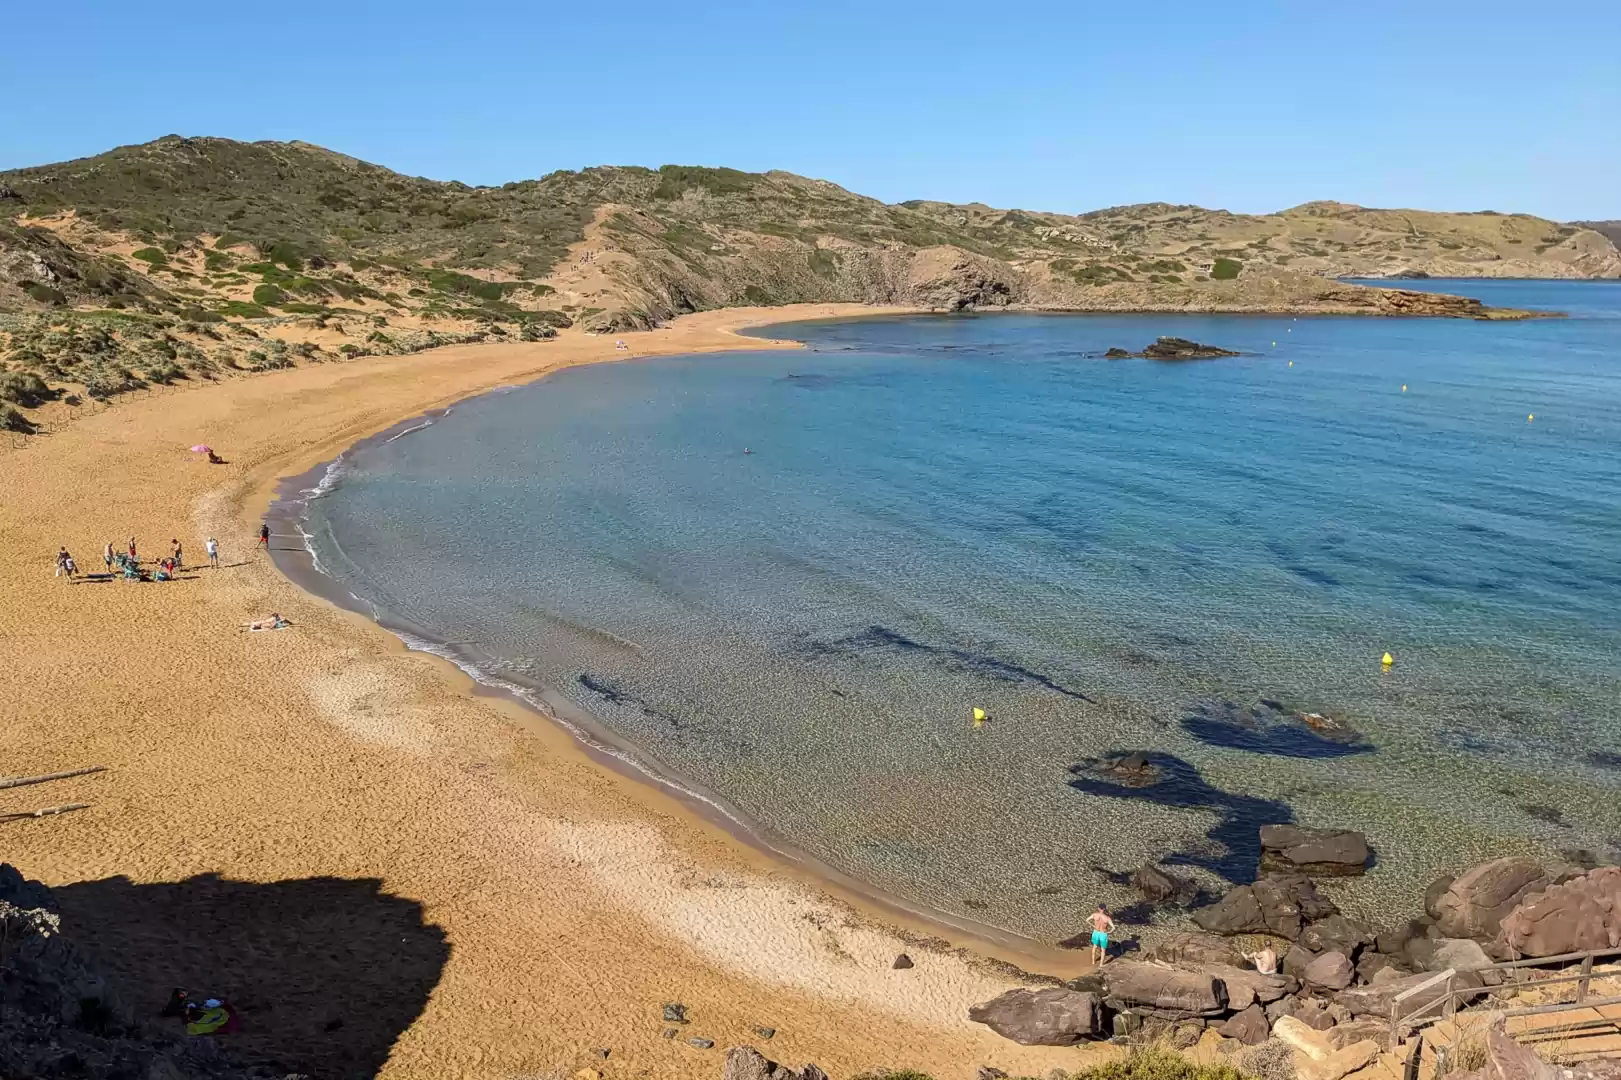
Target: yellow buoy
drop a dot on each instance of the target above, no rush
(1404, 388)
(979, 716)
(1530, 418)
(1291, 363)
(1386, 660)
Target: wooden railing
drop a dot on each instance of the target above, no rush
(1447, 1001)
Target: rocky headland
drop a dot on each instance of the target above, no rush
(205, 258)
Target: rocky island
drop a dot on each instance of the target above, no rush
(1171, 348)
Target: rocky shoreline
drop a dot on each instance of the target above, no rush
(1277, 959)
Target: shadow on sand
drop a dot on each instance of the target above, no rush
(325, 973)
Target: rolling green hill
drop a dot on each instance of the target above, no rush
(194, 257)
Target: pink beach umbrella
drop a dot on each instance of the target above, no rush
(201, 449)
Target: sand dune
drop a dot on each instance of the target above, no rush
(573, 902)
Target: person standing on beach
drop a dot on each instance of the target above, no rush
(107, 556)
(213, 547)
(264, 535)
(63, 559)
(132, 549)
(176, 553)
(1102, 927)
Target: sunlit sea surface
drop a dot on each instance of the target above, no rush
(790, 576)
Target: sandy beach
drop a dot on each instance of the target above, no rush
(386, 871)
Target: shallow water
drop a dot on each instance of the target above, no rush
(791, 576)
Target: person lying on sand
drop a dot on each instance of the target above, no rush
(273, 621)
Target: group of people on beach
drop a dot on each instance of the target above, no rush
(127, 561)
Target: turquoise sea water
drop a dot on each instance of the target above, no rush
(939, 513)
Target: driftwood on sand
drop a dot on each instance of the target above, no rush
(24, 781)
(44, 811)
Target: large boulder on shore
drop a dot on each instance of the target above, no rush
(1376, 998)
(1187, 993)
(1337, 934)
(1051, 1016)
(1246, 985)
(1249, 1026)
(747, 1063)
(1583, 913)
(1478, 899)
(1197, 950)
(1330, 971)
(1293, 849)
(1280, 906)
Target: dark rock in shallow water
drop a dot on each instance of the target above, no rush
(1169, 781)
(1161, 887)
(1280, 906)
(1171, 348)
(1291, 849)
(1270, 729)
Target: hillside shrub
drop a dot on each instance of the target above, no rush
(269, 296)
(12, 420)
(200, 315)
(151, 256)
(237, 309)
(218, 260)
(24, 388)
(451, 282)
(1225, 269)
(45, 294)
(549, 318)
(677, 180)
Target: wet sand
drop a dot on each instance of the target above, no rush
(272, 798)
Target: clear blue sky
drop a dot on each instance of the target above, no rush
(1251, 106)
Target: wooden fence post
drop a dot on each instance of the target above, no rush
(1587, 974)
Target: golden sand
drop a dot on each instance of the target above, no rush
(281, 807)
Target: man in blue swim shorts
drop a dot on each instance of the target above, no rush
(1102, 927)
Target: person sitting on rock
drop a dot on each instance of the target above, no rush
(1265, 961)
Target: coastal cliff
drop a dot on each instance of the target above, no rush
(203, 257)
